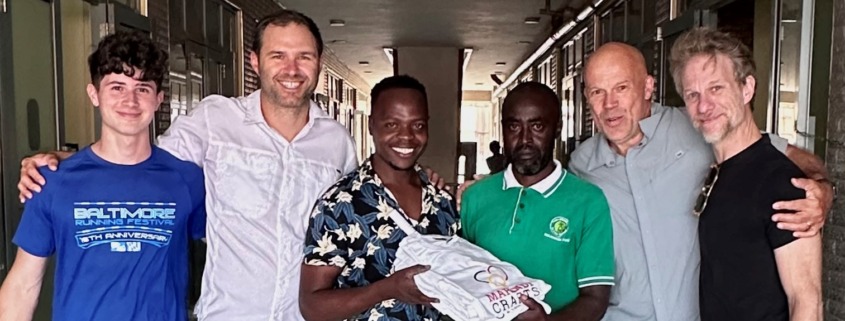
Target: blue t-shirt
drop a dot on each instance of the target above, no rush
(120, 233)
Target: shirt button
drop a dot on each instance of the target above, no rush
(521, 205)
(517, 220)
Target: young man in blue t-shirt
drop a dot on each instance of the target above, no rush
(118, 214)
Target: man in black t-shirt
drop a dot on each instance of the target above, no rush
(750, 269)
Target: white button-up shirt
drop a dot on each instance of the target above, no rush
(260, 190)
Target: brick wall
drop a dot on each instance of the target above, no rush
(834, 231)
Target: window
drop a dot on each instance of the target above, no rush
(618, 23)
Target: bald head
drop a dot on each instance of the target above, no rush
(617, 55)
(618, 88)
(535, 92)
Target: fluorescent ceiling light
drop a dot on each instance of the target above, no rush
(337, 23)
(389, 53)
(586, 13)
(467, 56)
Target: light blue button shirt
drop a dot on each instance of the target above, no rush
(651, 192)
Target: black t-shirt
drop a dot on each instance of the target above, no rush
(739, 276)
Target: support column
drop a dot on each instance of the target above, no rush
(439, 69)
(833, 280)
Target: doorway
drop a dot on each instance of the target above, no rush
(28, 109)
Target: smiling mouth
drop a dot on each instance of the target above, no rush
(291, 85)
(130, 115)
(403, 151)
(707, 120)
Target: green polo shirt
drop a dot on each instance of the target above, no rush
(557, 230)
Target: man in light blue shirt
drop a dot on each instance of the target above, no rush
(650, 162)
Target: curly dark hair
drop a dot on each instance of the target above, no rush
(125, 52)
(282, 18)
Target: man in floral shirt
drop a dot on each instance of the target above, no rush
(351, 241)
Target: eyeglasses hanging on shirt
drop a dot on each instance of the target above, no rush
(709, 182)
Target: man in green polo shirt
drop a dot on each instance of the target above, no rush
(549, 223)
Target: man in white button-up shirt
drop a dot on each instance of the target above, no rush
(267, 157)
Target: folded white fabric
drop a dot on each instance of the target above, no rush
(471, 283)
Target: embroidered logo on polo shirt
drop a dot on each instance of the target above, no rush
(558, 228)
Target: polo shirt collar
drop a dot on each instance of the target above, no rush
(604, 155)
(546, 186)
(254, 115)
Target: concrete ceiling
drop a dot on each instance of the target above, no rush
(495, 29)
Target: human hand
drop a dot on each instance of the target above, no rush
(535, 310)
(809, 213)
(401, 286)
(31, 180)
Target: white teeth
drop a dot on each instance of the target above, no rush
(403, 150)
(290, 84)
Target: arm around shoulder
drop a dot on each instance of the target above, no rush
(20, 290)
(809, 163)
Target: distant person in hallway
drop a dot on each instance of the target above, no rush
(536, 215)
(351, 243)
(750, 269)
(498, 162)
(650, 161)
(119, 214)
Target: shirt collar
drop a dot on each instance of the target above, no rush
(604, 155)
(252, 104)
(367, 174)
(546, 186)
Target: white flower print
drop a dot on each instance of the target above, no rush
(388, 303)
(384, 232)
(424, 223)
(344, 197)
(428, 208)
(359, 263)
(325, 245)
(340, 235)
(383, 210)
(337, 261)
(374, 315)
(371, 249)
(354, 232)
